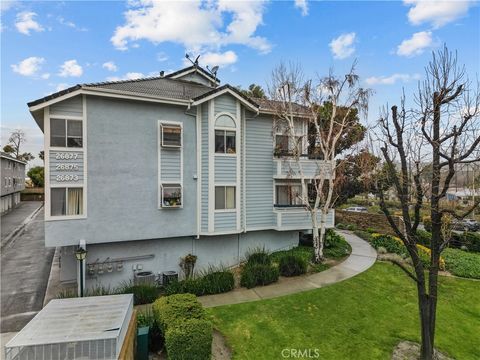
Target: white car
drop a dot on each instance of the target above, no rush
(361, 209)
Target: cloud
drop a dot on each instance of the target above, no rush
(70, 68)
(110, 66)
(7, 5)
(342, 47)
(392, 79)
(127, 76)
(61, 86)
(221, 59)
(24, 22)
(303, 6)
(45, 76)
(70, 24)
(436, 12)
(161, 56)
(199, 26)
(28, 67)
(416, 44)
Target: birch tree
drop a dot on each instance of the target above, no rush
(422, 148)
(326, 106)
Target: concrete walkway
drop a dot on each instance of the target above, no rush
(362, 257)
(14, 222)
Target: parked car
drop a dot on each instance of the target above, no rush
(361, 209)
(466, 225)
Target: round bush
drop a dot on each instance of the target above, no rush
(258, 274)
(292, 265)
(259, 257)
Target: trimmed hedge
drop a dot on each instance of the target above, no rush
(187, 332)
(212, 283)
(258, 274)
(189, 339)
(175, 309)
(292, 265)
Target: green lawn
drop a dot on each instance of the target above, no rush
(360, 318)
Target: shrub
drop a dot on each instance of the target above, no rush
(187, 286)
(189, 339)
(173, 309)
(468, 239)
(391, 243)
(142, 293)
(292, 265)
(351, 227)
(258, 256)
(258, 274)
(341, 226)
(367, 236)
(217, 282)
(461, 263)
(335, 245)
(427, 223)
(424, 237)
(424, 254)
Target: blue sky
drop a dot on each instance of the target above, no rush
(47, 46)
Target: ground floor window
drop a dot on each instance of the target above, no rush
(171, 195)
(224, 197)
(66, 201)
(288, 195)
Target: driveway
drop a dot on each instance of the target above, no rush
(25, 269)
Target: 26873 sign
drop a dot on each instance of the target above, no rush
(66, 167)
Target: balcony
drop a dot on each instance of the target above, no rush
(299, 219)
(288, 168)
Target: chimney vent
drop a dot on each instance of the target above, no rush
(162, 73)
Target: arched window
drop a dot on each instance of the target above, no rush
(225, 134)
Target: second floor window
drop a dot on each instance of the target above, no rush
(66, 133)
(225, 135)
(288, 195)
(171, 195)
(171, 135)
(66, 201)
(224, 197)
(284, 145)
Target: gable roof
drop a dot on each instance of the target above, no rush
(226, 89)
(10, 157)
(192, 69)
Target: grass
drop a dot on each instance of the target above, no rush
(462, 263)
(360, 318)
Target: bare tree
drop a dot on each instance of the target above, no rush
(427, 143)
(16, 139)
(326, 107)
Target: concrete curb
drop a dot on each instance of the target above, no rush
(53, 278)
(19, 229)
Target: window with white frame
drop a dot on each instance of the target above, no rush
(225, 197)
(171, 135)
(285, 145)
(225, 135)
(288, 195)
(171, 195)
(66, 201)
(66, 133)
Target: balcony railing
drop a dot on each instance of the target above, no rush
(299, 219)
(287, 168)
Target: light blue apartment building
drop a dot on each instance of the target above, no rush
(143, 172)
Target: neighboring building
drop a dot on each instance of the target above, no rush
(464, 196)
(143, 172)
(13, 181)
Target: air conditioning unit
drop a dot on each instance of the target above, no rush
(144, 277)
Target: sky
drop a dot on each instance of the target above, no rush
(49, 46)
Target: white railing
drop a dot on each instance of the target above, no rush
(285, 168)
(299, 219)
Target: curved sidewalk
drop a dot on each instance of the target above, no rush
(362, 257)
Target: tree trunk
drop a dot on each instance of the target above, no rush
(426, 349)
(317, 239)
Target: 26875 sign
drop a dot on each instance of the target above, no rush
(66, 167)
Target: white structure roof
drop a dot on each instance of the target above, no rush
(77, 319)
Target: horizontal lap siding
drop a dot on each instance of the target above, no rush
(170, 164)
(70, 107)
(54, 162)
(225, 221)
(302, 220)
(226, 103)
(310, 168)
(225, 169)
(259, 173)
(204, 221)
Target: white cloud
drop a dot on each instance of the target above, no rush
(436, 12)
(161, 56)
(303, 6)
(45, 76)
(70, 24)
(70, 68)
(28, 67)
(392, 79)
(128, 76)
(343, 46)
(221, 59)
(110, 66)
(199, 26)
(6, 5)
(25, 22)
(61, 86)
(416, 44)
